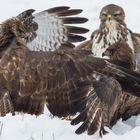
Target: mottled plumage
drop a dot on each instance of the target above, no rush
(46, 30)
(121, 54)
(63, 81)
(66, 80)
(114, 40)
(112, 30)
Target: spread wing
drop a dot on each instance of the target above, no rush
(61, 79)
(65, 78)
(88, 44)
(6, 105)
(100, 108)
(57, 79)
(103, 106)
(67, 81)
(128, 79)
(53, 28)
(60, 76)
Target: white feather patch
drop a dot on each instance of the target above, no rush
(113, 34)
(51, 33)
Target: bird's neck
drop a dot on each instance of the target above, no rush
(113, 32)
(108, 34)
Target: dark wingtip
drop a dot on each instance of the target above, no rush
(77, 30)
(79, 118)
(26, 13)
(70, 12)
(135, 93)
(57, 9)
(81, 129)
(75, 38)
(74, 20)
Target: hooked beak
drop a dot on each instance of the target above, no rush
(109, 17)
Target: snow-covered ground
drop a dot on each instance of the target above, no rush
(27, 127)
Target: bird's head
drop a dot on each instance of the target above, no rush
(111, 15)
(22, 27)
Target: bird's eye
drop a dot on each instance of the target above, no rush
(104, 14)
(115, 15)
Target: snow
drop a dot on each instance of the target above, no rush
(44, 127)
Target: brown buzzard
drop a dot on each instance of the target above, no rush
(65, 79)
(113, 29)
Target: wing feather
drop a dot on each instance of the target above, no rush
(100, 107)
(6, 104)
(77, 30)
(57, 9)
(67, 81)
(53, 31)
(70, 12)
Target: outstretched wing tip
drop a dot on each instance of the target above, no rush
(55, 27)
(25, 13)
(64, 10)
(57, 9)
(74, 20)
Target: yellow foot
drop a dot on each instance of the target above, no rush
(68, 118)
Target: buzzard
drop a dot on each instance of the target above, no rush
(113, 29)
(65, 79)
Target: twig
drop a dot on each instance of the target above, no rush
(1, 127)
(53, 136)
(32, 138)
(42, 135)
